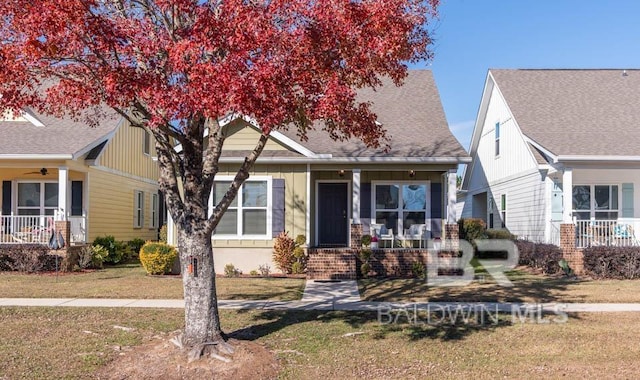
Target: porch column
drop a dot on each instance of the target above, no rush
(63, 198)
(567, 195)
(355, 193)
(451, 197)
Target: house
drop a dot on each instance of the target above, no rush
(557, 147)
(101, 179)
(333, 191)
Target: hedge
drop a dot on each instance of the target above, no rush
(612, 262)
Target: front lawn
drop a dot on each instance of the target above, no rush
(527, 287)
(131, 281)
(75, 343)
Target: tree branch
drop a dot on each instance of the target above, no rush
(241, 176)
(212, 153)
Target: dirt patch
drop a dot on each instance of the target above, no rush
(162, 359)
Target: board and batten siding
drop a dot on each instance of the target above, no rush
(515, 156)
(124, 153)
(111, 206)
(244, 137)
(295, 195)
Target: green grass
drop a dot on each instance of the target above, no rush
(74, 343)
(131, 281)
(527, 287)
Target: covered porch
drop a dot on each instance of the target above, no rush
(38, 198)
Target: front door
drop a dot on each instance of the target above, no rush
(333, 221)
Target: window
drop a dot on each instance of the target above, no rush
(138, 209)
(595, 201)
(399, 206)
(154, 210)
(37, 198)
(503, 209)
(146, 144)
(497, 131)
(249, 215)
(491, 210)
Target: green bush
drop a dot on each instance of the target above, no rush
(157, 258)
(366, 240)
(365, 268)
(612, 262)
(134, 247)
(297, 268)
(502, 234)
(472, 229)
(118, 251)
(254, 273)
(231, 271)
(92, 256)
(418, 270)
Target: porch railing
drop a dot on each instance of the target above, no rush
(620, 232)
(37, 229)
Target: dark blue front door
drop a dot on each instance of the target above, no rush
(333, 221)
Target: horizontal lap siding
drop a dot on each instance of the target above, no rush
(295, 187)
(526, 208)
(111, 207)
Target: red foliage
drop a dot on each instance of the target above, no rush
(278, 61)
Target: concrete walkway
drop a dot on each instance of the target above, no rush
(327, 296)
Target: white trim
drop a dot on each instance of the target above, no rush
(155, 210)
(355, 195)
(64, 192)
(333, 160)
(269, 208)
(32, 118)
(592, 197)
(427, 210)
(317, 213)
(99, 141)
(597, 158)
(31, 156)
(41, 207)
(138, 222)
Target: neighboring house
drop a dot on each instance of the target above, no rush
(323, 188)
(556, 146)
(103, 179)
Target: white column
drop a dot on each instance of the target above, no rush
(355, 201)
(63, 192)
(567, 195)
(171, 236)
(451, 197)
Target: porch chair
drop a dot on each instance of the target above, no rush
(417, 232)
(382, 233)
(622, 234)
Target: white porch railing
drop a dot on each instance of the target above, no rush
(37, 229)
(554, 237)
(621, 232)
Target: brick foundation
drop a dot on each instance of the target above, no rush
(451, 237)
(573, 255)
(397, 263)
(63, 227)
(356, 236)
(332, 264)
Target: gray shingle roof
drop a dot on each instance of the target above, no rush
(576, 112)
(412, 115)
(57, 136)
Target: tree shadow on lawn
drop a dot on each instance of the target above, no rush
(408, 325)
(528, 288)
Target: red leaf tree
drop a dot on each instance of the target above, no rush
(176, 67)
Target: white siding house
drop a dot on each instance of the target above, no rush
(552, 146)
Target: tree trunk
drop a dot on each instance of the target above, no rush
(202, 321)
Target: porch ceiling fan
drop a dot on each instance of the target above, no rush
(42, 171)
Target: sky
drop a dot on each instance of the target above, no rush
(472, 36)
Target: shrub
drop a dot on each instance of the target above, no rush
(163, 234)
(612, 262)
(231, 271)
(540, 256)
(254, 273)
(134, 247)
(157, 258)
(472, 229)
(365, 268)
(265, 270)
(287, 252)
(502, 234)
(26, 258)
(418, 269)
(117, 250)
(92, 256)
(366, 240)
(297, 268)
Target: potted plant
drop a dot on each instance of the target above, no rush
(374, 242)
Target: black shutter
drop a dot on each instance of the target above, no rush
(365, 200)
(6, 197)
(277, 206)
(436, 201)
(76, 198)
